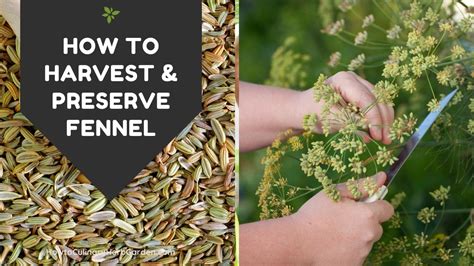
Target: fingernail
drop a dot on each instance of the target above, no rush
(380, 176)
(377, 133)
(388, 140)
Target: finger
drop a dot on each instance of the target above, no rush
(386, 111)
(391, 118)
(391, 115)
(356, 93)
(381, 209)
(345, 192)
(388, 114)
(378, 233)
(365, 137)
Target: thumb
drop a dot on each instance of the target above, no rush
(380, 178)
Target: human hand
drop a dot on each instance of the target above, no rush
(359, 92)
(339, 233)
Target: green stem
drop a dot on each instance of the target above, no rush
(367, 41)
(382, 11)
(359, 46)
(439, 220)
(293, 157)
(327, 144)
(468, 219)
(300, 196)
(280, 188)
(429, 82)
(455, 61)
(303, 188)
(373, 24)
(371, 156)
(442, 37)
(364, 66)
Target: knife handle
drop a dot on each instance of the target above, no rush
(380, 194)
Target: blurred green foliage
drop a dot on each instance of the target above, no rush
(265, 24)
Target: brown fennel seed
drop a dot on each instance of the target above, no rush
(63, 234)
(102, 216)
(124, 226)
(6, 195)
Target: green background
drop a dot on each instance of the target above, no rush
(265, 24)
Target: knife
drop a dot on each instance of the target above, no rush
(408, 148)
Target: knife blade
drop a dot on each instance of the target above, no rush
(410, 146)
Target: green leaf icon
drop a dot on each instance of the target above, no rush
(110, 14)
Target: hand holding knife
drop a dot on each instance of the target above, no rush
(408, 148)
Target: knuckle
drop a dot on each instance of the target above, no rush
(352, 73)
(365, 99)
(369, 236)
(367, 213)
(330, 80)
(370, 215)
(369, 96)
(343, 75)
(391, 210)
(379, 233)
(389, 207)
(373, 233)
(391, 110)
(373, 115)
